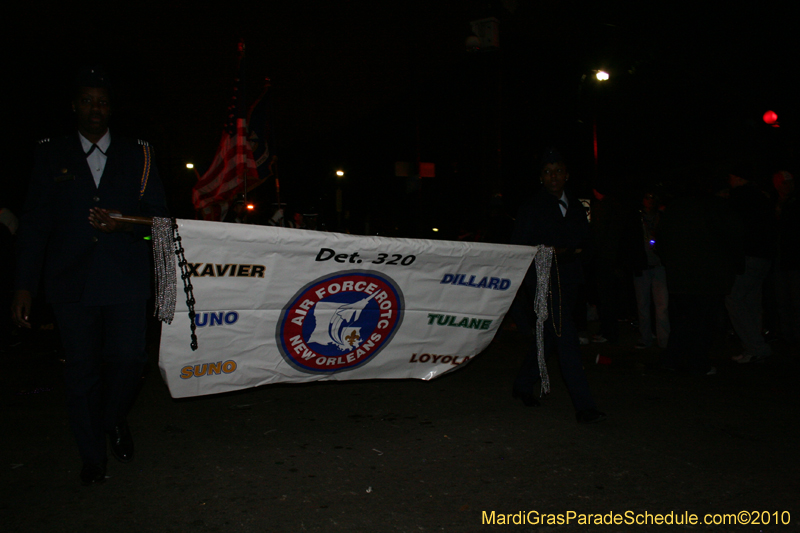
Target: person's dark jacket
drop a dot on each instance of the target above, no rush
(699, 243)
(540, 222)
(55, 239)
(759, 232)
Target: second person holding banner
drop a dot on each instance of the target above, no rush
(554, 218)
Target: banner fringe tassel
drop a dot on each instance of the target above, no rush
(543, 260)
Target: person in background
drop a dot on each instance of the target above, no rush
(610, 260)
(650, 279)
(698, 242)
(280, 219)
(237, 214)
(787, 266)
(759, 238)
(8, 227)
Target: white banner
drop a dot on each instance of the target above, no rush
(286, 305)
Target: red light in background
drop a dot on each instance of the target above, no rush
(770, 117)
(250, 207)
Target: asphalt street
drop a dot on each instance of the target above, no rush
(454, 454)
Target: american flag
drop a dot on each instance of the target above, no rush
(233, 164)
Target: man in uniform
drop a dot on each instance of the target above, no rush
(554, 218)
(96, 269)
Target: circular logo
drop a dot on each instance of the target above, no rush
(339, 321)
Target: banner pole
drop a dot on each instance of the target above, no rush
(146, 221)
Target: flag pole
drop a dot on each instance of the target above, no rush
(265, 138)
(228, 173)
(241, 70)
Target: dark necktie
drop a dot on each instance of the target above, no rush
(99, 150)
(564, 205)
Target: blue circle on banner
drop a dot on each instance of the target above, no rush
(340, 321)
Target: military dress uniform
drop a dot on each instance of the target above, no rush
(541, 221)
(98, 283)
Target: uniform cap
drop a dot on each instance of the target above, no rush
(92, 77)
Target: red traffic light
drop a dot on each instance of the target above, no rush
(770, 117)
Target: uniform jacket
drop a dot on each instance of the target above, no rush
(55, 239)
(540, 222)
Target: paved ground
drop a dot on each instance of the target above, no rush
(412, 456)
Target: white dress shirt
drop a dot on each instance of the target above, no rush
(97, 159)
(563, 199)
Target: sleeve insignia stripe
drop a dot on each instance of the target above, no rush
(146, 169)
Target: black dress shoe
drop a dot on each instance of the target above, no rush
(529, 399)
(121, 443)
(92, 474)
(590, 416)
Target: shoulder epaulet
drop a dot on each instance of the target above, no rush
(143, 143)
(45, 140)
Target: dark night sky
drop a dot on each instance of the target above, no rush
(356, 83)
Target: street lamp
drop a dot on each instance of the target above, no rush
(190, 166)
(339, 175)
(601, 76)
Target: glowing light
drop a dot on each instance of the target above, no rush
(435, 229)
(770, 117)
(189, 165)
(250, 207)
(601, 75)
(340, 173)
